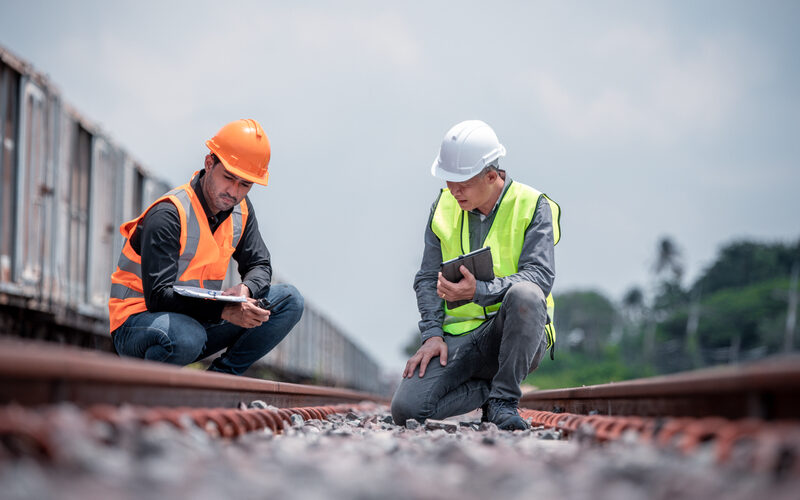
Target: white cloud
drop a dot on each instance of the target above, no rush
(645, 87)
(384, 39)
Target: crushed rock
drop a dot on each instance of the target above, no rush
(364, 456)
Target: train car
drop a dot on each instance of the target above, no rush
(66, 185)
(66, 188)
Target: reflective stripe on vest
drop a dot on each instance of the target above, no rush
(505, 238)
(203, 257)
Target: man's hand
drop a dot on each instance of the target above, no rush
(239, 290)
(463, 290)
(431, 348)
(245, 314)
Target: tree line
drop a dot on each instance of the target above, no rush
(742, 307)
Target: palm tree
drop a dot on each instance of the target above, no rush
(669, 265)
(633, 304)
(668, 258)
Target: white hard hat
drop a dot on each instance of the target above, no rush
(467, 148)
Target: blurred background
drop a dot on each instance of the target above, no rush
(667, 132)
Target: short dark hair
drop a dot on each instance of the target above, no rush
(214, 159)
(494, 166)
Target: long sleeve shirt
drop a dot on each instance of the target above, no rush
(157, 240)
(536, 264)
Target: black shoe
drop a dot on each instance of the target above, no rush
(503, 413)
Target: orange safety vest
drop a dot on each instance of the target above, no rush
(203, 259)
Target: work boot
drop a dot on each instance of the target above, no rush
(503, 413)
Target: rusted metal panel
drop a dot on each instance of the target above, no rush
(32, 188)
(106, 166)
(78, 209)
(9, 124)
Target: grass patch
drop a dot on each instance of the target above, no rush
(575, 369)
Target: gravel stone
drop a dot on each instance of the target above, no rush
(412, 424)
(548, 434)
(364, 456)
(488, 426)
(444, 425)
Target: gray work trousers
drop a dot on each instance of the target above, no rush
(489, 362)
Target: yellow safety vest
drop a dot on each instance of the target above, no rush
(506, 235)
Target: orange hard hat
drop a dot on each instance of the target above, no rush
(243, 148)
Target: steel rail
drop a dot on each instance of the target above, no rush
(36, 373)
(768, 390)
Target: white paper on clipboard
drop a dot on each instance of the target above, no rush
(205, 293)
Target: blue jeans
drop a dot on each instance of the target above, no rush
(179, 339)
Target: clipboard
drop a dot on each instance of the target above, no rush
(206, 293)
(478, 262)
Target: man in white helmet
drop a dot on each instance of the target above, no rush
(489, 345)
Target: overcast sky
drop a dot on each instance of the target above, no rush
(641, 119)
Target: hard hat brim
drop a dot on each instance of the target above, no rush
(244, 175)
(237, 171)
(439, 172)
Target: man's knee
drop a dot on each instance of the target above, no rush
(187, 339)
(406, 404)
(292, 305)
(167, 337)
(525, 312)
(295, 303)
(526, 295)
(525, 292)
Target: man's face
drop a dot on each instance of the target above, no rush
(472, 193)
(221, 188)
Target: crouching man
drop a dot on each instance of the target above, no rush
(186, 239)
(486, 347)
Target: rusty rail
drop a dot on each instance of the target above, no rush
(35, 373)
(754, 407)
(766, 390)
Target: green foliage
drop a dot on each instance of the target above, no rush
(584, 321)
(745, 312)
(735, 310)
(743, 263)
(574, 369)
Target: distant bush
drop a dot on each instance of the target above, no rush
(574, 369)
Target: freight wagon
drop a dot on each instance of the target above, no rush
(66, 188)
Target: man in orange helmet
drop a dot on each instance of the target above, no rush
(186, 238)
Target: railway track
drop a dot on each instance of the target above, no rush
(754, 408)
(77, 423)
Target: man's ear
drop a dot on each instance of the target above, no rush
(209, 162)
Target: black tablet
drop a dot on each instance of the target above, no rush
(478, 262)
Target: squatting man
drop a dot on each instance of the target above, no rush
(187, 238)
(486, 347)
